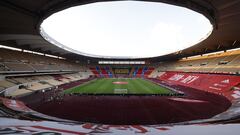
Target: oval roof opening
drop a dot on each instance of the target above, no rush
(126, 29)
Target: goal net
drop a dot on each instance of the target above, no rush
(120, 91)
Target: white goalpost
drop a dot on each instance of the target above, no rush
(120, 91)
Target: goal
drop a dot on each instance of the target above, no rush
(120, 91)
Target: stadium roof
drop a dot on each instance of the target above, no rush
(21, 19)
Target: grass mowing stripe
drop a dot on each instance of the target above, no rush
(145, 86)
(106, 86)
(157, 86)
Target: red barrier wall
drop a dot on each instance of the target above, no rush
(15, 105)
(215, 83)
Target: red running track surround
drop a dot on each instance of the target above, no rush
(131, 109)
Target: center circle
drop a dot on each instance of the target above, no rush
(118, 82)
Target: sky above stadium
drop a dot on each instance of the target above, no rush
(127, 28)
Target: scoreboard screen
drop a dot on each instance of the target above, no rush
(121, 71)
(124, 70)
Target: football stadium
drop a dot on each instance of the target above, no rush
(105, 85)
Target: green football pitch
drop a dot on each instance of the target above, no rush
(119, 86)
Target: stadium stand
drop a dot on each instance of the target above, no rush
(226, 62)
(20, 61)
(24, 72)
(147, 71)
(20, 92)
(95, 72)
(18, 86)
(135, 71)
(225, 85)
(102, 71)
(141, 71)
(109, 71)
(6, 84)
